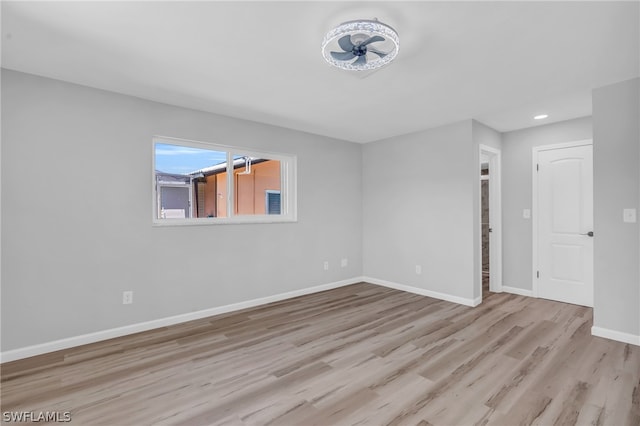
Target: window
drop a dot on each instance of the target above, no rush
(272, 202)
(200, 183)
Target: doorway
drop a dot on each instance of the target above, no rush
(490, 272)
(563, 222)
(485, 224)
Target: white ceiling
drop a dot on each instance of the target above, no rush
(497, 62)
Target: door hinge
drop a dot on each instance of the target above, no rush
(537, 274)
(537, 167)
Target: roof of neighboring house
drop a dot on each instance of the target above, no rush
(176, 175)
(172, 177)
(221, 167)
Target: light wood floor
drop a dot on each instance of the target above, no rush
(358, 355)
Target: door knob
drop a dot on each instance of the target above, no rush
(590, 233)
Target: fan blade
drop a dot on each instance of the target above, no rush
(342, 56)
(377, 52)
(345, 43)
(371, 40)
(360, 61)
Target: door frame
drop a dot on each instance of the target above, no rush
(534, 202)
(495, 218)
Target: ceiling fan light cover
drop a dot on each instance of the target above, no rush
(370, 28)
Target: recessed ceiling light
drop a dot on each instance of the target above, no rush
(540, 117)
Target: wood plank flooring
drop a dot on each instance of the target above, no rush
(357, 355)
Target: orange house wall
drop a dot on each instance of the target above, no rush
(221, 198)
(210, 196)
(245, 193)
(249, 189)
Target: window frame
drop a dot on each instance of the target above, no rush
(288, 185)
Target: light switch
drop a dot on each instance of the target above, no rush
(629, 215)
(526, 214)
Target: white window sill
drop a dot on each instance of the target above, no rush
(237, 220)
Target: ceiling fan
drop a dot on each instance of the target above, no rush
(357, 46)
(360, 45)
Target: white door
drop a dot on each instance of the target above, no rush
(565, 224)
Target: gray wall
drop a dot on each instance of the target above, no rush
(517, 151)
(418, 209)
(485, 135)
(76, 215)
(76, 211)
(616, 144)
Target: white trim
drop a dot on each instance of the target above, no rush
(424, 292)
(98, 336)
(516, 290)
(534, 202)
(495, 218)
(553, 146)
(615, 335)
(534, 222)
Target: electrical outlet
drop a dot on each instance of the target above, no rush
(418, 269)
(326, 265)
(629, 215)
(344, 262)
(127, 297)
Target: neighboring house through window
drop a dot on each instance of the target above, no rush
(207, 183)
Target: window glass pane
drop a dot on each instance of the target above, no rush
(254, 178)
(273, 202)
(198, 183)
(190, 182)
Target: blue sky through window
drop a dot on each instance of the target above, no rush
(183, 159)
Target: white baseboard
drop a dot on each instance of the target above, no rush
(98, 336)
(516, 290)
(615, 335)
(423, 292)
